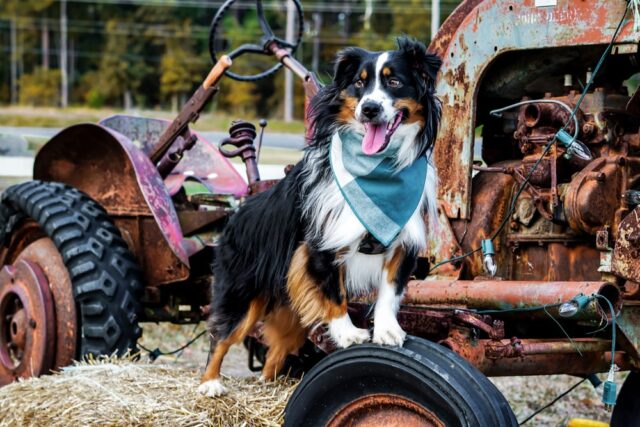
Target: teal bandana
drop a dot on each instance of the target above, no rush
(382, 198)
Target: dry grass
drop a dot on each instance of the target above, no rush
(113, 392)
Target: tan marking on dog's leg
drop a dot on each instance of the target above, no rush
(255, 313)
(284, 335)
(308, 301)
(391, 267)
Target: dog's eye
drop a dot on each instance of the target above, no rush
(394, 83)
(359, 84)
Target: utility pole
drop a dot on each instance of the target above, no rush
(288, 75)
(64, 81)
(368, 11)
(14, 60)
(317, 26)
(45, 43)
(435, 17)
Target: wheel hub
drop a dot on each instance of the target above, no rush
(384, 410)
(27, 322)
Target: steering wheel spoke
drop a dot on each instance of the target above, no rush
(247, 48)
(267, 37)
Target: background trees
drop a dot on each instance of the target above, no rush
(153, 53)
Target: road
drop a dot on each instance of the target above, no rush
(271, 139)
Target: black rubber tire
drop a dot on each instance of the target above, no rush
(106, 280)
(426, 373)
(626, 413)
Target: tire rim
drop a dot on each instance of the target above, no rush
(27, 322)
(386, 410)
(44, 253)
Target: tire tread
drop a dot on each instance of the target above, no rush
(106, 280)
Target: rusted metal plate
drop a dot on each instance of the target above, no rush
(626, 252)
(27, 322)
(384, 410)
(203, 161)
(158, 262)
(479, 33)
(112, 170)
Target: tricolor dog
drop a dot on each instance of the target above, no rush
(348, 219)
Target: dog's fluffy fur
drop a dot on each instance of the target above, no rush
(290, 256)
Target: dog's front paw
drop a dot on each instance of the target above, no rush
(389, 334)
(345, 334)
(350, 337)
(212, 388)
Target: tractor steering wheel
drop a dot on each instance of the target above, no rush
(267, 39)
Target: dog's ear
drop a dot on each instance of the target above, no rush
(424, 64)
(347, 63)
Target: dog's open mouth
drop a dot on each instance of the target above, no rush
(377, 135)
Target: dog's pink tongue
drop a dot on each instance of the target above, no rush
(374, 138)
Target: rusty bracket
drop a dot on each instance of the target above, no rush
(498, 350)
(495, 330)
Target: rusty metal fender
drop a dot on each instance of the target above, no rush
(113, 171)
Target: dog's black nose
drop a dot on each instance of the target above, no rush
(371, 109)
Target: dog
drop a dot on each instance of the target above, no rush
(333, 229)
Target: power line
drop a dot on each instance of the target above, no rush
(408, 7)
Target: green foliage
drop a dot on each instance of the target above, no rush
(179, 72)
(24, 6)
(157, 55)
(40, 88)
(121, 68)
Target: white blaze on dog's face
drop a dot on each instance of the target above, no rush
(389, 95)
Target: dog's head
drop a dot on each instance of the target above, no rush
(387, 95)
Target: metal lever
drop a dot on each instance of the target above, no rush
(242, 135)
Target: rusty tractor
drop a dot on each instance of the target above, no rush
(119, 225)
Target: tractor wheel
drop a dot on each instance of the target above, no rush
(627, 410)
(69, 286)
(421, 384)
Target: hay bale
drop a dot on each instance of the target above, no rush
(114, 392)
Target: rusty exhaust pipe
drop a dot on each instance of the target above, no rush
(506, 295)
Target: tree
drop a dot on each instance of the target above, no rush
(40, 88)
(121, 68)
(179, 68)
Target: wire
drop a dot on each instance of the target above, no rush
(547, 147)
(154, 354)
(558, 397)
(613, 329)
